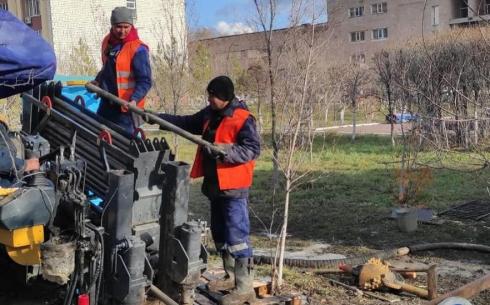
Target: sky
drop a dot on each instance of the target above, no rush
(228, 17)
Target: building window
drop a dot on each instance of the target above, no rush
(357, 36)
(32, 8)
(358, 58)
(379, 8)
(356, 11)
(379, 34)
(486, 9)
(131, 4)
(462, 8)
(435, 15)
(4, 6)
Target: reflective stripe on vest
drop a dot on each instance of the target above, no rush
(230, 176)
(124, 77)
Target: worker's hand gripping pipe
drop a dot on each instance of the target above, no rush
(150, 116)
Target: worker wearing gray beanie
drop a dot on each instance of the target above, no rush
(121, 14)
(126, 71)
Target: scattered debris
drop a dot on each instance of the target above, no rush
(474, 210)
(359, 292)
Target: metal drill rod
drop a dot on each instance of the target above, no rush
(29, 98)
(155, 118)
(162, 296)
(79, 116)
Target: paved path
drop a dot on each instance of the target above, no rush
(368, 128)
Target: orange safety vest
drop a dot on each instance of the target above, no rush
(125, 80)
(230, 176)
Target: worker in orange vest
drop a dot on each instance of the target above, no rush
(227, 123)
(126, 70)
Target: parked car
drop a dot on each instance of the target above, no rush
(398, 118)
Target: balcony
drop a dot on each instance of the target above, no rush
(465, 15)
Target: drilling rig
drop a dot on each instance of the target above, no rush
(106, 215)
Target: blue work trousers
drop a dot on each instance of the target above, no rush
(230, 226)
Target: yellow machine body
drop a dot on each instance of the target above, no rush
(23, 244)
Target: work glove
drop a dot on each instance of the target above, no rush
(215, 155)
(210, 153)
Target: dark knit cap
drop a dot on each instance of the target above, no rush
(121, 14)
(222, 87)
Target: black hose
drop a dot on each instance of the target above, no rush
(100, 267)
(450, 245)
(71, 288)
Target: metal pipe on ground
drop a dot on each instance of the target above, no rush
(467, 291)
(155, 118)
(162, 296)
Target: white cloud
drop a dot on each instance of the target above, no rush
(224, 28)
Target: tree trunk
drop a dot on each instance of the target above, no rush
(284, 231)
(392, 133)
(342, 114)
(325, 120)
(476, 128)
(259, 111)
(353, 123)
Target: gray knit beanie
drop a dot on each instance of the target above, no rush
(121, 14)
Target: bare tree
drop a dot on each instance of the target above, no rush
(266, 18)
(170, 62)
(383, 67)
(81, 60)
(355, 78)
(292, 58)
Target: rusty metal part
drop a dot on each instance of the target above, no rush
(376, 274)
(432, 282)
(431, 278)
(467, 291)
(373, 273)
(397, 285)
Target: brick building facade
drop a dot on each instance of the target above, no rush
(357, 29)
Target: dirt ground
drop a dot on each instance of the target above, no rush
(315, 286)
(352, 231)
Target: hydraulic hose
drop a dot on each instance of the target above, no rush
(450, 245)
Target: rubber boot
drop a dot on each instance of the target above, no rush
(244, 291)
(228, 281)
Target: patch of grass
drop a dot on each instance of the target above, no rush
(354, 190)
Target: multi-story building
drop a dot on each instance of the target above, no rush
(64, 22)
(357, 29)
(363, 27)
